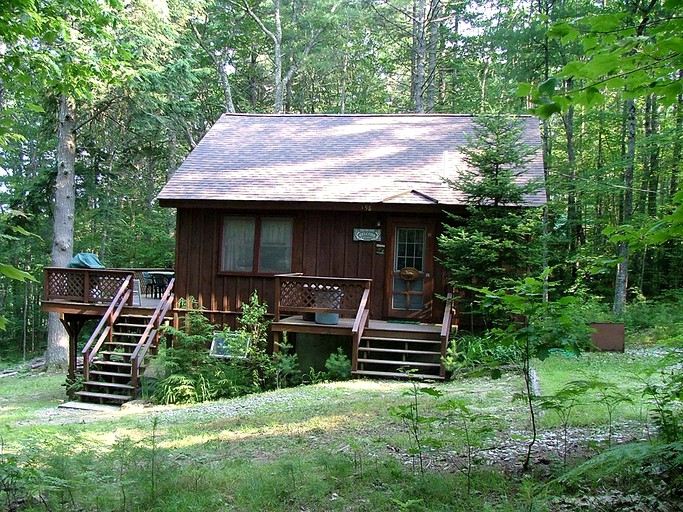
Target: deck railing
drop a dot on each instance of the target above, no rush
(297, 294)
(150, 338)
(359, 325)
(86, 285)
(446, 327)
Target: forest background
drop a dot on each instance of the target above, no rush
(101, 100)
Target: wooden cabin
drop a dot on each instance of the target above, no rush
(328, 215)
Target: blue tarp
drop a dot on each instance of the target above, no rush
(85, 260)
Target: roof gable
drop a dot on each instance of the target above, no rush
(393, 159)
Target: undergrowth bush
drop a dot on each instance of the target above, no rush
(472, 354)
(656, 320)
(338, 365)
(188, 373)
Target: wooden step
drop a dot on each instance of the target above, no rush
(104, 396)
(124, 334)
(399, 351)
(401, 375)
(113, 353)
(110, 374)
(399, 340)
(134, 325)
(121, 344)
(416, 334)
(400, 363)
(115, 385)
(102, 362)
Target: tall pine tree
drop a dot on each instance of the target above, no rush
(495, 240)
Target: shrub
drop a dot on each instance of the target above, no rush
(469, 354)
(655, 320)
(338, 365)
(188, 373)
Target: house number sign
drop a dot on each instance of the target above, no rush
(367, 235)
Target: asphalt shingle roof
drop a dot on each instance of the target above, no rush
(393, 159)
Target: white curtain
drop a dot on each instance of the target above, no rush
(238, 245)
(275, 251)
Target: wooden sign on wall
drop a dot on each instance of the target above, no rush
(367, 235)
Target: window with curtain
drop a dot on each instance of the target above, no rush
(257, 245)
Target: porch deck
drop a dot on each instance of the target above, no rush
(379, 348)
(97, 309)
(297, 323)
(88, 292)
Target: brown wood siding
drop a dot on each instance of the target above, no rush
(323, 246)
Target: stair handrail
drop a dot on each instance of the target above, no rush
(446, 326)
(359, 325)
(149, 336)
(105, 327)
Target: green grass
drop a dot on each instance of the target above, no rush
(23, 395)
(626, 372)
(332, 447)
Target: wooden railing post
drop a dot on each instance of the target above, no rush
(86, 286)
(277, 299)
(446, 326)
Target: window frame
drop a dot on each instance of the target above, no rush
(258, 220)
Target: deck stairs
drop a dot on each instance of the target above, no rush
(110, 374)
(412, 351)
(117, 353)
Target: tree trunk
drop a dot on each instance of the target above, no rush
(222, 64)
(678, 144)
(342, 85)
(653, 181)
(420, 54)
(643, 195)
(573, 215)
(432, 47)
(621, 281)
(254, 84)
(64, 205)
(277, 44)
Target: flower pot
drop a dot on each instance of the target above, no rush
(608, 336)
(329, 297)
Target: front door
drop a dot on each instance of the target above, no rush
(410, 283)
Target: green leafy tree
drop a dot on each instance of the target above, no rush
(534, 325)
(8, 234)
(632, 51)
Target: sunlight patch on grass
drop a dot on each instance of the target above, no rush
(189, 441)
(316, 424)
(110, 438)
(368, 385)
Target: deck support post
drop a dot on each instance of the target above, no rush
(73, 325)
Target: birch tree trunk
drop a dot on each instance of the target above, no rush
(573, 213)
(280, 78)
(433, 46)
(64, 205)
(419, 54)
(678, 144)
(276, 37)
(621, 281)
